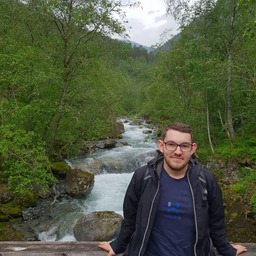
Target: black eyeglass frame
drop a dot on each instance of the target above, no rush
(178, 145)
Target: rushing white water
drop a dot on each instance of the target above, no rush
(108, 193)
(109, 188)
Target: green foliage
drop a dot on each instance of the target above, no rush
(240, 188)
(248, 8)
(253, 202)
(246, 186)
(24, 161)
(244, 150)
(57, 79)
(76, 89)
(63, 81)
(208, 71)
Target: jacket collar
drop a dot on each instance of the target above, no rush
(156, 164)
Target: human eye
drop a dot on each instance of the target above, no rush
(171, 144)
(185, 146)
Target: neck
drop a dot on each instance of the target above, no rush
(176, 173)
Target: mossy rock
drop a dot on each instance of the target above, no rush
(60, 169)
(98, 226)
(11, 210)
(79, 183)
(8, 233)
(3, 217)
(28, 200)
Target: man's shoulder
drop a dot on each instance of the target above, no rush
(207, 178)
(201, 169)
(207, 173)
(141, 170)
(150, 165)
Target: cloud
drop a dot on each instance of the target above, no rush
(149, 22)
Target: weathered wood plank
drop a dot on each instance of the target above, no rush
(53, 254)
(50, 249)
(27, 248)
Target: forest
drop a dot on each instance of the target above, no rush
(64, 80)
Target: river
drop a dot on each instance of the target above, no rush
(116, 167)
(112, 175)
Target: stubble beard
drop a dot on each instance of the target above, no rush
(176, 167)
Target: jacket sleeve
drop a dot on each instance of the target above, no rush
(217, 220)
(130, 206)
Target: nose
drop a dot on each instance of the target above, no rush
(178, 150)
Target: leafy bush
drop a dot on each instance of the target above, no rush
(246, 187)
(24, 162)
(243, 149)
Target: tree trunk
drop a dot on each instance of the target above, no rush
(230, 126)
(208, 125)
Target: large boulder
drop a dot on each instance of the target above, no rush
(78, 183)
(98, 226)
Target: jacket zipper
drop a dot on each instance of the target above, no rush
(194, 209)
(149, 218)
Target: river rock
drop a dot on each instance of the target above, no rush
(92, 146)
(119, 127)
(147, 132)
(137, 122)
(106, 144)
(98, 226)
(78, 183)
(60, 169)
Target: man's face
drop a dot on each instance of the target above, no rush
(177, 160)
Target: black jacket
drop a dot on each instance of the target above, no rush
(140, 205)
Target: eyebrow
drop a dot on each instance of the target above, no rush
(171, 141)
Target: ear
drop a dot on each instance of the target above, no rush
(160, 144)
(194, 148)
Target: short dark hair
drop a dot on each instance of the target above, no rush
(180, 127)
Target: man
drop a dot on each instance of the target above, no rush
(167, 211)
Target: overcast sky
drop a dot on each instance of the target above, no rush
(149, 21)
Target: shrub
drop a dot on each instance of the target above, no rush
(23, 160)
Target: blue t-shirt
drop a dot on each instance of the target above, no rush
(173, 232)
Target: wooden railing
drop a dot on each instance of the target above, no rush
(67, 249)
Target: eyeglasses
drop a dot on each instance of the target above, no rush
(172, 146)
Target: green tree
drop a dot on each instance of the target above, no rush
(57, 87)
(77, 23)
(48, 67)
(218, 28)
(248, 8)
